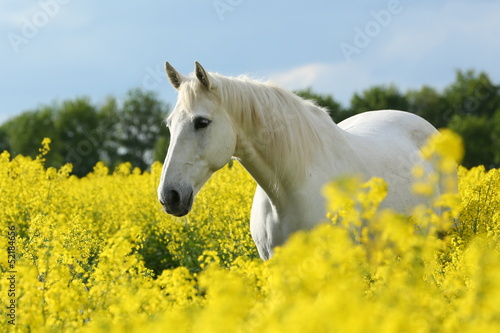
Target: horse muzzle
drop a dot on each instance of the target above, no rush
(176, 200)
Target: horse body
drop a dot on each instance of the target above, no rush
(290, 146)
(381, 144)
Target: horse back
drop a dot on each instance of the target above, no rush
(390, 125)
(387, 143)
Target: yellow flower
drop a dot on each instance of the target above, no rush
(98, 254)
(446, 144)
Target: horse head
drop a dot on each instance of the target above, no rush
(202, 139)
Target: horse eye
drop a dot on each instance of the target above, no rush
(200, 122)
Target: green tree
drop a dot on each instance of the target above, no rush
(140, 124)
(4, 140)
(495, 137)
(476, 133)
(83, 134)
(471, 94)
(429, 104)
(109, 118)
(24, 133)
(134, 130)
(335, 109)
(379, 98)
(474, 112)
(78, 138)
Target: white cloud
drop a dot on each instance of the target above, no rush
(303, 76)
(338, 79)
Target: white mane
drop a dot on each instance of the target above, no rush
(284, 122)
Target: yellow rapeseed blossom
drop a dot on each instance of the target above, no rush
(98, 254)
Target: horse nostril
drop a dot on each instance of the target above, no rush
(174, 198)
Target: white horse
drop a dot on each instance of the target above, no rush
(289, 145)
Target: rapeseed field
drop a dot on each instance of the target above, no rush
(98, 254)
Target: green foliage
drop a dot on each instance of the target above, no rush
(479, 146)
(25, 132)
(335, 110)
(429, 104)
(470, 106)
(495, 137)
(4, 144)
(378, 98)
(83, 134)
(473, 94)
(139, 126)
(134, 131)
(75, 128)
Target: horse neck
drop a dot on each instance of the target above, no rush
(282, 150)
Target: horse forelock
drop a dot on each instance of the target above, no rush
(189, 92)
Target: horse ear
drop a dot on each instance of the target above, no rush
(202, 75)
(174, 76)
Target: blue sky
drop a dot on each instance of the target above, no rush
(52, 50)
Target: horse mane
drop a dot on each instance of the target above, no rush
(284, 125)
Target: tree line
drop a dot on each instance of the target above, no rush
(133, 129)
(469, 106)
(82, 133)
